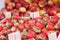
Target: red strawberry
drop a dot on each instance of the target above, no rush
(1, 33)
(11, 24)
(5, 28)
(21, 27)
(44, 30)
(1, 39)
(4, 20)
(58, 4)
(31, 34)
(27, 26)
(40, 25)
(18, 5)
(16, 17)
(58, 26)
(52, 11)
(41, 37)
(36, 1)
(54, 19)
(50, 26)
(1, 28)
(50, 3)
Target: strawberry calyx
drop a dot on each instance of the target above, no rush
(25, 33)
(36, 30)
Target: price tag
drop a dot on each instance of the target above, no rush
(31, 14)
(52, 36)
(17, 36)
(8, 14)
(36, 14)
(11, 36)
(14, 36)
(2, 4)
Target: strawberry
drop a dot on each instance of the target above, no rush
(54, 19)
(2, 37)
(44, 30)
(4, 20)
(36, 1)
(26, 26)
(21, 27)
(41, 37)
(52, 11)
(41, 25)
(59, 27)
(50, 3)
(50, 26)
(57, 4)
(31, 34)
(1, 28)
(16, 17)
(1, 33)
(5, 28)
(11, 24)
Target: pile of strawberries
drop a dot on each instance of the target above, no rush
(30, 28)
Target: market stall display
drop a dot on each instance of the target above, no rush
(33, 19)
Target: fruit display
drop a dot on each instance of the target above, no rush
(30, 28)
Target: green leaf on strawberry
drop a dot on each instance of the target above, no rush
(19, 31)
(5, 33)
(40, 38)
(25, 33)
(43, 21)
(16, 24)
(7, 24)
(36, 30)
(3, 25)
(58, 21)
(56, 26)
(21, 21)
(14, 21)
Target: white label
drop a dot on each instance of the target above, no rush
(31, 14)
(14, 36)
(17, 35)
(11, 36)
(8, 14)
(52, 36)
(36, 14)
(2, 4)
